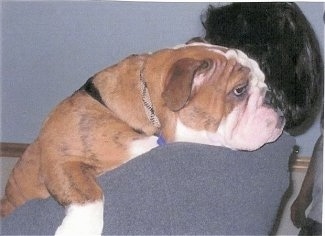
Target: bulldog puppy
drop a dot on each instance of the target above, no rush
(194, 93)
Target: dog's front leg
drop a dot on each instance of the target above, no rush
(83, 219)
(82, 197)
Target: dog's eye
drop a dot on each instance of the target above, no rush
(240, 90)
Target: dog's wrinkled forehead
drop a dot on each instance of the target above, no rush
(256, 75)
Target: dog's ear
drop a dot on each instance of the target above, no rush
(180, 80)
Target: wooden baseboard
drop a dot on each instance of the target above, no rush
(12, 149)
(300, 164)
(17, 149)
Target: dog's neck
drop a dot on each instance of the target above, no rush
(92, 91)
(148, 107)
(90, 88)
(146, 101)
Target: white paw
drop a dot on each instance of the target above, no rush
(86, 219)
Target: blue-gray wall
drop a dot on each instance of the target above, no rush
(49, 49)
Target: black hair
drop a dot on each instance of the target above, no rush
(279, 37)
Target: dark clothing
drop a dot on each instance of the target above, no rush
(311, 228)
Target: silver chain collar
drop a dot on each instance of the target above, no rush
(146, 101)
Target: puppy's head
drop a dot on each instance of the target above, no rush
(219, 97)
(291, 61)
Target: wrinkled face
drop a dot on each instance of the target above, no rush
(224, 105)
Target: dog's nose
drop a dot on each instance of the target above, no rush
(281, 122)
(268, 99)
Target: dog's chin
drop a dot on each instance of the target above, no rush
(236, 135)
(267, 131)
(253, 140)
(248, 132)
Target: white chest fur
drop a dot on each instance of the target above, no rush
(186, 134)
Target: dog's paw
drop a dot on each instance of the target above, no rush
(86, 219)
